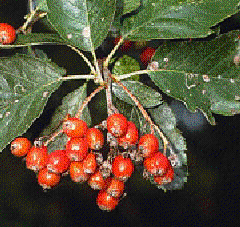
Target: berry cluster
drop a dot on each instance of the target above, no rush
(83, 161)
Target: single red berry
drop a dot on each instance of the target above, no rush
(77, 149)
(58, 162)
(7, 33)
(74, 127)
(117, 124)
(126, 45)
(90, 163)
(157, 164)
(106, 201)
(122, 168)
(96, 181)
(114, 187)
(48, 179)
(166, 178)
(37, 158)
(131, 137)
(95, 138)
(20, 146)
(148, 144)
(146, 55)
(77, 173)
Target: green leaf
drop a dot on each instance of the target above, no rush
(146, 95)
(125, 65)
(177, 19)
(26, 83)
(70, 105)
(130, 5)
(33, 39)
(124, 7)
(82, 23)
(42, 5)
(201, 74)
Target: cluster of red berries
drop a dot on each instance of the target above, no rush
(109, 175)
(7, 33)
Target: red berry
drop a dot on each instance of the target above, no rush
(131, 137)
(96, 181)
(77, 149)
(126, 45)
(157, 164)
(48, 179)
(7, 33)
(114, 187)
(146, 55)
(166, 178)
(122, 168)
(20, 146)
(148, 144)
(95, 138)
(58, 162)
(106, 201)
(90, 163)
(74, 127)
(37, 158)
(117, 125)
(77, 173)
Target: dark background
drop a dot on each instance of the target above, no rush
(209, 198)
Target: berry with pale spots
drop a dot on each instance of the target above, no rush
(95, 138)
(157, 164)
(37, 158)
(117, 125)
(77, 173)
(58, 162)
(20, 146)
(106, 201)
(48, 179)
(148, 144)
(77, 149)
(74, 127)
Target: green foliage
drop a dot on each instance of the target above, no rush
(26, 84)
(82, 23)
(201, 74)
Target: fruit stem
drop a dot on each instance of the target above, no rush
(53, 136)
(72, 77)
(88, 99)
(110, 107)
(109, 57)
(84, 58)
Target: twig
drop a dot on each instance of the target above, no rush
(84, 58)
(109, 57)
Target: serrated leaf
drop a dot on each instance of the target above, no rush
(70, 105)
(177, 19)
(146, 95)
(201, 74)
(33, 39)
(125, 65)
(26, 83)
(82, 23)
